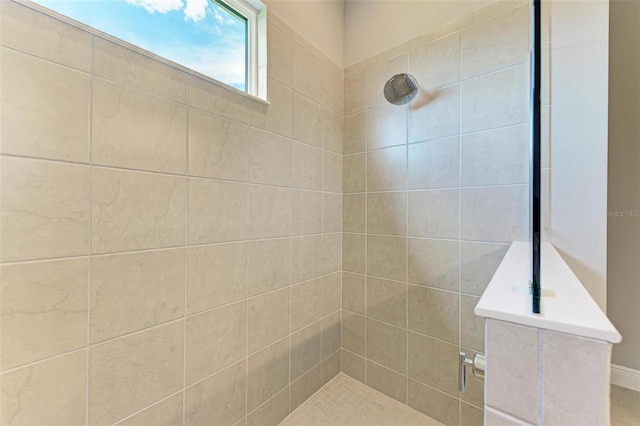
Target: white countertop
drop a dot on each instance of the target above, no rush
(566, 306)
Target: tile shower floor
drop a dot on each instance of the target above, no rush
(345, 401)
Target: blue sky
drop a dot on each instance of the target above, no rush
(198, 34)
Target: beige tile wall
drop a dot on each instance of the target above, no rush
(171, 251)
(433, 193)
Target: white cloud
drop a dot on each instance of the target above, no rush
(160, 6)
(223, 19)
(196, 10)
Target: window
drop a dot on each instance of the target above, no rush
(224, 40)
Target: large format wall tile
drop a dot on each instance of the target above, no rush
(434, 164)
(215, 339)
(387, 257)
(123, 137)
(44, 106)
(133, 291)
(269, 212)
(129, 373)
(433, 362)
(224, 202)
(268, 265)
(305, 349)
(43, 310)
(434, 213)
(435, 115)
(387, 345)
(268, 372)
(387, 301)
(134, 211)
(218, 148)
(54, 220)
(268, 318)
(435, 404)
(387, 213)
(121, 65)
(305, 303)
(168, 412)
(433, 263)
(220, 399)
(434, 312)
(51, 392)
(436, 64)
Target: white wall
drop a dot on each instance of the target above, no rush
(373, 26)
(579, 95)
(320, 22)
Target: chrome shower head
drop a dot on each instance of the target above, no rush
(401, 89)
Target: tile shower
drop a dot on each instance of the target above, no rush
(174, 253)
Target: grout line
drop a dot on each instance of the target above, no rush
(460, 117)
(186, 258)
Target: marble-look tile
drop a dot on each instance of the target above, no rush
(268, 318)
(332, 132)
(331, 367)
(306, 166)
(268, 265)
(123, 136)
(437, 405)
(353, 365)
(219, 400)
(353, 333)
(218, 148)
(471, 416)
(306, 258)
(387, 345)
(307, 120)
(355, 93)
(512, 353)
(434, 363)
(331, 335)
(50, 392)
(269, 212)
(386, 126)
(387, 169)
(215, 339)
(331, 172)
(434, 213)
(43, 310)
(478, 263)
(268, 373)
(387, 381)
(434, 312)
(436, 64)
(496, 157)
(121, 65)
(579, 395)
(497, 418)
(387, 301)
(331, 212)
(54, 220)
(218, 100)
(133, 211)
(434, 164)
(128, 374)
(331, 293)
(331, 253)
(224, 201)
(305, 350)
(353, 252)
(354, 169)
(433, 263)
(44, 106)
(118, 307)
(435, 115)
(168, 412)
(29, 31)
(277, 117)
(305, 386)
(306, 212)
(308, 74)
(272, 412)
(495, 100)
(471, 325)
(355, 133)
(353, 212)
(269, 158)
(280, 55)
(353, 292)
(216, 275)
(387, 213)
(306, 303)
(499, 214)
(496, 43)
(387, 257)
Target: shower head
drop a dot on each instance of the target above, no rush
(401, 89)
